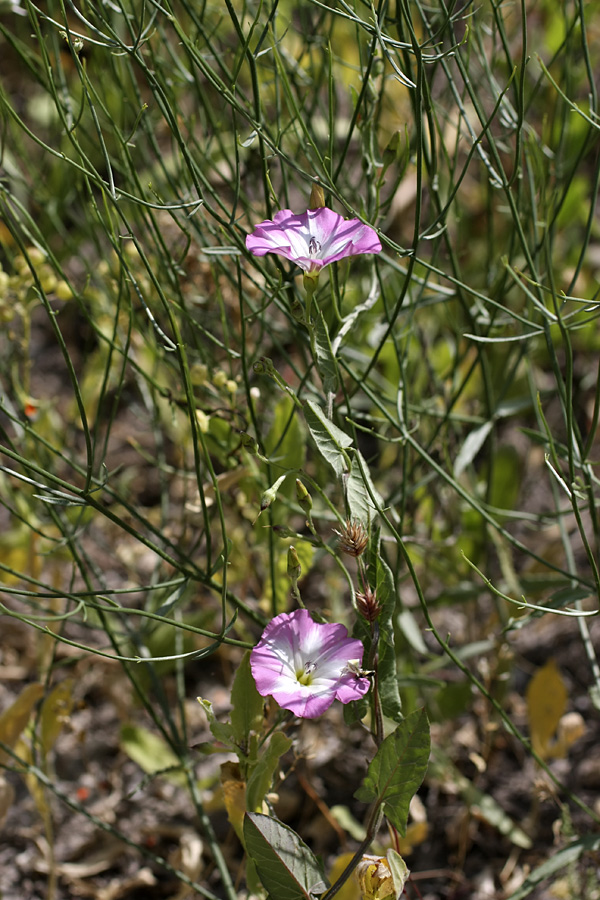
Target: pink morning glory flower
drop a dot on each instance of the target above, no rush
(313, 239)
(305, 665)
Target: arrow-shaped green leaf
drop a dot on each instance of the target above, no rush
(330, 439)
(398, 768)
(287, 867)
(326, 362)
(360, 489)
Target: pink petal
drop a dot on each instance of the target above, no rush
(306, 706)
(352, 687)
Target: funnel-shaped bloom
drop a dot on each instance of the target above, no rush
(305, 665)
(312, 239)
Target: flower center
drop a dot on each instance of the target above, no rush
(305, 675)
(314, 247)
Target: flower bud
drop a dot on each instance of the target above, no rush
(263, 366)
(283, 531)
(199, 374)
(304, 499)
(353, 539)
(317, 196)
(270, 494)
(294, 569)
(63, 291)
(367, 604)
(219, 379)
(248, 443)
(203, 421)
(31, 409)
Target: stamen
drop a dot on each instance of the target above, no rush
(314, 247)
(304, 675)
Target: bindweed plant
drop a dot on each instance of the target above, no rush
(299, 400)
(304, 665)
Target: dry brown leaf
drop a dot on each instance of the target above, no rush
(188, 859)
(96, 857)
(118, 889)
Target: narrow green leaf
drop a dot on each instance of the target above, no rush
(398, 151)
(326, 361)
(471, 447)
(411, 630)
(151, 752)
(287, 867)
(247, 704)
(560, 599)
(398, 768)
(261, 778)
(221, 731)
(247, 142)
(165, 608)
(557, 861)
(331, 441)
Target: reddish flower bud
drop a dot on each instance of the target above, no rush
(353, 538)
(367, 604)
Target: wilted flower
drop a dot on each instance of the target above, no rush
(375, 878)
(381, 877)
(305, 665)
(313, 239)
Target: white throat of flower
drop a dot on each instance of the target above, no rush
(306, 674)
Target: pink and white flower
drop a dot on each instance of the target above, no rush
(305, 665)
(313, 239)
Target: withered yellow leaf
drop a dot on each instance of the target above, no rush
(234, 796)
(350, 889)
(16, 717)
(56, 709)
(546, 702)
(416, 833)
